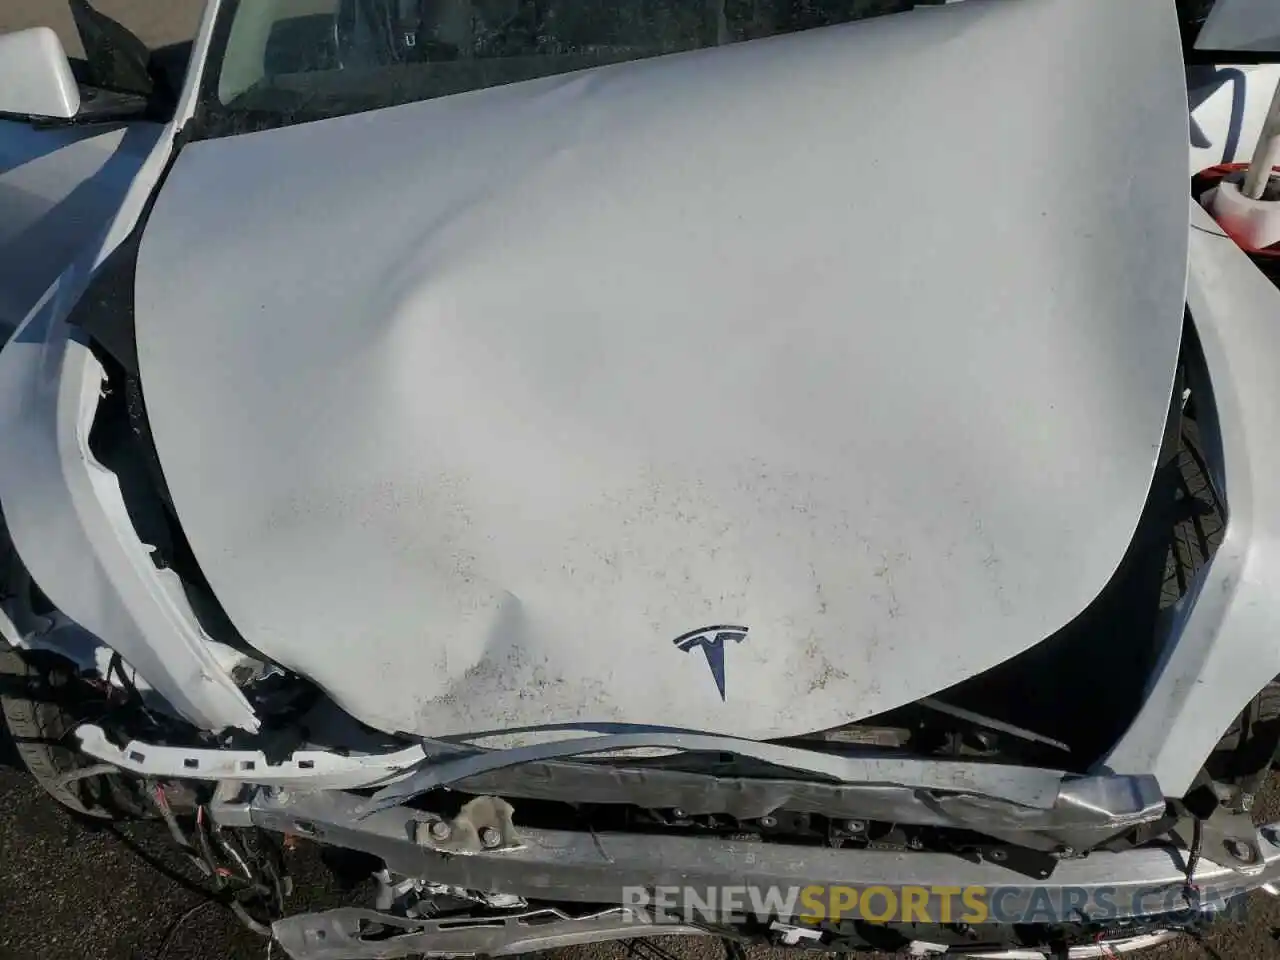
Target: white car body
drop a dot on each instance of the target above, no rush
(839, 362)
(847, 546)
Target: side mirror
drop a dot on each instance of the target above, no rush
(35, 76)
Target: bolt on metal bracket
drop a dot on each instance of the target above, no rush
(482, 825)
(1229, 839)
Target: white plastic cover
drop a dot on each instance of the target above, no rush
(861, 339)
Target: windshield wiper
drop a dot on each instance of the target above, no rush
(1027, 786)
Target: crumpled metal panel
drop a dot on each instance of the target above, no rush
(1225, 651)
(860, 339)
(68, 520)
(592, 866)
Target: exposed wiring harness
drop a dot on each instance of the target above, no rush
(254, 879)
(1191, 890)
(127, 683)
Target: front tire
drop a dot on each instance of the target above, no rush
(39, 726)
(43, 700)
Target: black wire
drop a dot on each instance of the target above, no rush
(155, 794)
(206, 852)
(242, 915)
(277, 878)
(229, 891)
(171, 936)
(1191, 891)
(116, 665)
(1205, 945)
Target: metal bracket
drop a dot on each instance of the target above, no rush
(1034, 787)
(305, 769)
(354, 934)
(1035, 864)
(1228, 839)
(587, 867)
(790, 935)
(482, 825)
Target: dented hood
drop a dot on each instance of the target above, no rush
(856, 344)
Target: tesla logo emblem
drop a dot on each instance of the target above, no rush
(712, 640)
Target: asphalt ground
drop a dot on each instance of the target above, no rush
(72, 889)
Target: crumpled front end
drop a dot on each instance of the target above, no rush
(680, 476)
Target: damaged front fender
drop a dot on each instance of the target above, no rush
(68, 521)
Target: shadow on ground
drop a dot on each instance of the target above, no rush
(9, 759)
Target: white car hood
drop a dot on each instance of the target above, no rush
(861, 339)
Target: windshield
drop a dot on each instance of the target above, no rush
(287, 61)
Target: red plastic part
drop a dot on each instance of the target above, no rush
(1206, 180)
